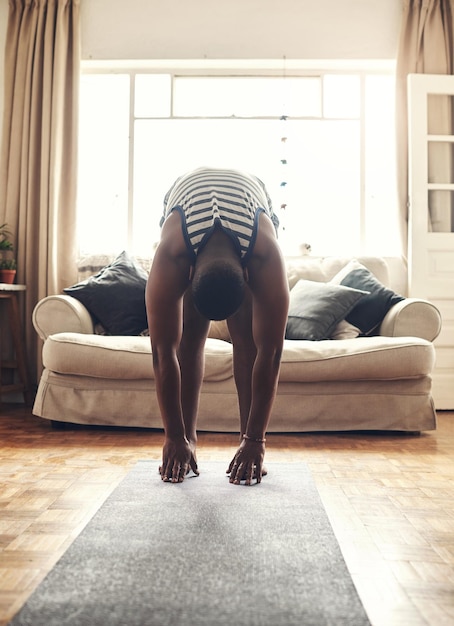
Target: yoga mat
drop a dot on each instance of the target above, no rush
(203, 552)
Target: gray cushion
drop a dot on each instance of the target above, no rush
(316, 308)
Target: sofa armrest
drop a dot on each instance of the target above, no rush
(59, 314)
(412, 317)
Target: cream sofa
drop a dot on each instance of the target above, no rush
(378, 382)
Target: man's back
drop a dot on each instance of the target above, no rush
(230, 198)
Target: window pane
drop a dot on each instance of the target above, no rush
(103, 163)
(441, 211)
(247, 97)
(440, 162)
(382, 234)
(152, 95)
(328, 169)
(341, 96)
(439, 114)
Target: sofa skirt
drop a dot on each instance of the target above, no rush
(390, 405)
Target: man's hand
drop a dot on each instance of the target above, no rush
(178, 457)
(247, 462)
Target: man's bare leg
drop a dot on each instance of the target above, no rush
(191, 356)
(244, 354)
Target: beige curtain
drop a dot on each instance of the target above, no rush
(425, 47)
(39, 149)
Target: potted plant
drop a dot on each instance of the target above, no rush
(7, 261)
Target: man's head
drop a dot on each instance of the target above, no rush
(218, 288)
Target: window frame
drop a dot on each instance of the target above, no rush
(245, 68)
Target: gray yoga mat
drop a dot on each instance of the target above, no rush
(203, 552)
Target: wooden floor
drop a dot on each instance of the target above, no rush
(390, 499)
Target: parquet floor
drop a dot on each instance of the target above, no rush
(390, 499)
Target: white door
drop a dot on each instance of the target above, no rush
(431, 212)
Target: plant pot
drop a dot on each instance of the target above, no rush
(7, 276)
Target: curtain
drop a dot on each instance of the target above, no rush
(39, 150)
(425, 47)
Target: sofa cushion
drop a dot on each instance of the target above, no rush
(120, 357)
(364, 358)
(316, 308)
(129, 358)
(344, 330)
(115, 296)
(367, 313)
(219, 330)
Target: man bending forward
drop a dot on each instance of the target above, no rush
(218, 258)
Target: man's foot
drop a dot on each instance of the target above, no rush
(191, 474)
(264, 471)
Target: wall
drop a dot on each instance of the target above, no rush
(257, 29)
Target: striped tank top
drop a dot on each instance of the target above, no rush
(209, 197)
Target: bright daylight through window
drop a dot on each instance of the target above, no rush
(323, 143)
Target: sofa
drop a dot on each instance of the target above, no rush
(339, 373)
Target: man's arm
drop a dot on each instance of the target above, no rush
(269, 288)
(167, 283)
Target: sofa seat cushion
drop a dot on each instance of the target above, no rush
(363, 358)
(129, 358)
(121, 357)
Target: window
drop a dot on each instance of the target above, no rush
(322, 142)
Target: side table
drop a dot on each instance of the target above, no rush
(19, 363)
